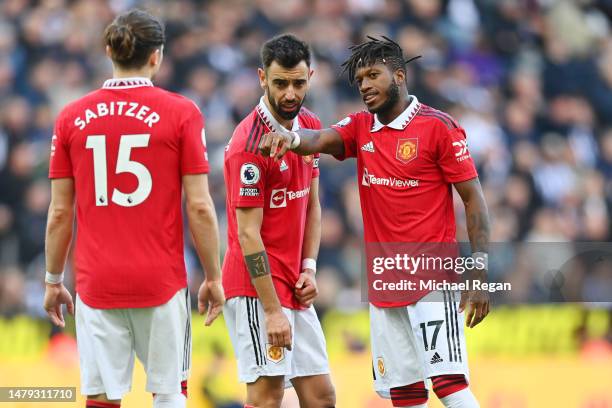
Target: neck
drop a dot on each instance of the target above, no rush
(132, 73)
(286, 123)
(396, 110)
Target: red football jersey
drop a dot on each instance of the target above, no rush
(127, 145)
(281, 189)
(405, 171)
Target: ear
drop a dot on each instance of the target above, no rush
(400, 76)
(108, 51)
(156, 57)
(310, 74)
(262, 78)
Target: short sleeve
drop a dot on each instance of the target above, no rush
(246, 177)
(347, 128)
(315, 165)
(60, 164)
(454, 157)
(194, 159)
(315, 162)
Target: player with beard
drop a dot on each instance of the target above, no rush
(424, 152)
(274, 231)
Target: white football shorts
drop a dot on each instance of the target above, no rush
(415, 342)
(245, 320)
(159, 336)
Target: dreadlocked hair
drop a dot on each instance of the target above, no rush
(373, 51)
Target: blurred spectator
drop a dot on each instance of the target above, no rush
(529, 80)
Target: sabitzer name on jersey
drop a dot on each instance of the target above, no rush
(120, 108)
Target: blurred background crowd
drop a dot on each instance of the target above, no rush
(529, 80)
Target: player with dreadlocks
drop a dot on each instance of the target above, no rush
(409, 156)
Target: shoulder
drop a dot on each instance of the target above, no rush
(79, 104)
(309, 119)
(180, 102)
(76, 108)
(245, 135)
(361, 118)
(437, 118)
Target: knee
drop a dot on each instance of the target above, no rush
(325, 398)
(270, 398)
(328, 400)
(176, 400)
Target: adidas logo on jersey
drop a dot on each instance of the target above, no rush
(283, 166)
(368, 147)
(436, 359)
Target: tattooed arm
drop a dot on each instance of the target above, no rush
(477, 217)
(477, 214)
(249, 222)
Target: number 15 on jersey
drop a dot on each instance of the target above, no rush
(97, 143)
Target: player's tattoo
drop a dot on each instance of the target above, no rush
(257, 264)
(478, 231)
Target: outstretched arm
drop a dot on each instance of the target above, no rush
(303, 142)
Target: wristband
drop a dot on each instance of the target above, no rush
(54, 278)
(483, 258)
(295, 142)
(309, 263)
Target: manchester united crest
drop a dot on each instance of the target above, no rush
(407, 149)
(308, 159)
(275, 353)
(380, 363)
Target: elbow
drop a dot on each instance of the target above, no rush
(201, 209)
(59, 215)
(247, 235)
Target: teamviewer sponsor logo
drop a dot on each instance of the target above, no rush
(369, 179)
(279, 197)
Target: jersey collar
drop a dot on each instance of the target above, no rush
(270, 121)
(404, 118)
(125, 83)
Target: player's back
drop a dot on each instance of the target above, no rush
(127, 146)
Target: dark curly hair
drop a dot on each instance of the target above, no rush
(374, 51)
(287, 50)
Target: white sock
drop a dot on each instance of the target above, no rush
(176, 400)
(460, 399)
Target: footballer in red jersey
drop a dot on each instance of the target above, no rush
(124, 154)
(274, 219)
(409, 156)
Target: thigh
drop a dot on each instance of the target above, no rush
(163, 342)
(313, 389)
(309, 347)
(438, 328)
(395, 361)
(256, 358)
(266, 390)
(106, 355)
